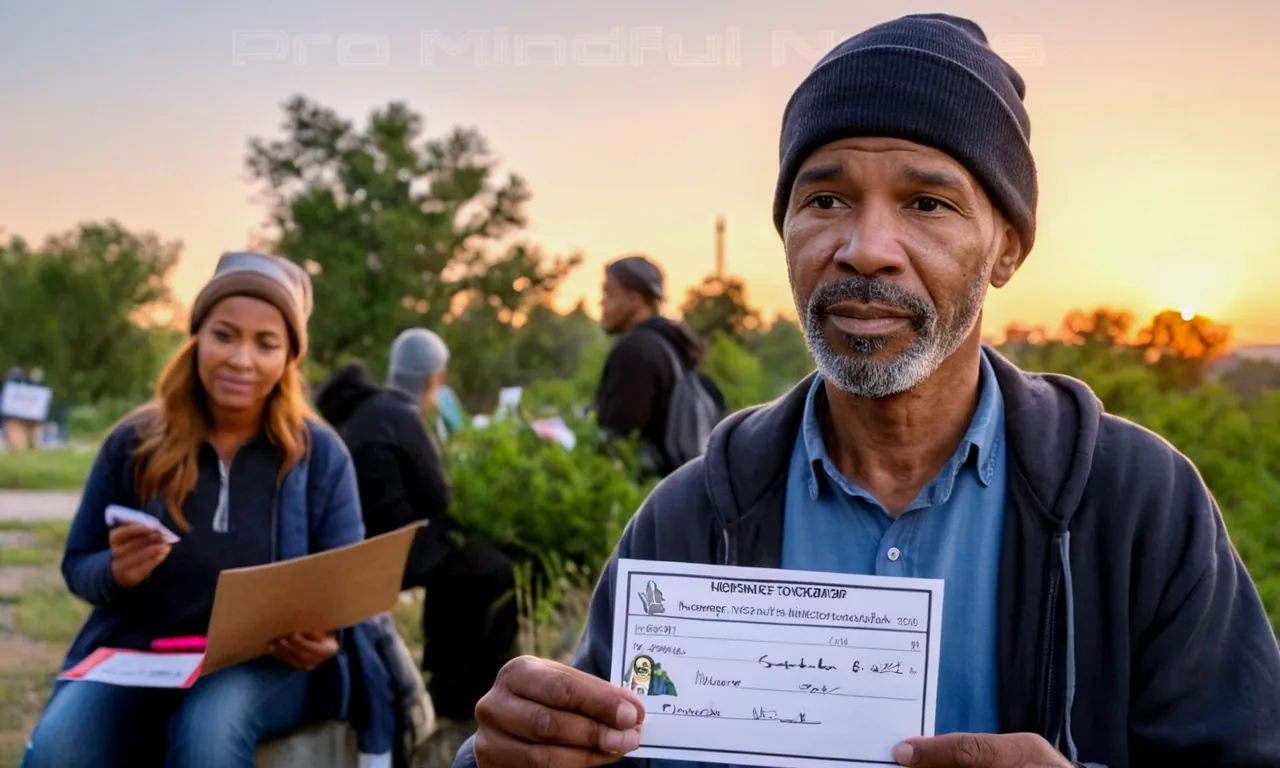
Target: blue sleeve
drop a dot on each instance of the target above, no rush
(337, 524)
(340, 522)
(86, 562)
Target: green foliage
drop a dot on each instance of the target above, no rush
(397, 231)
(88, 303)
(94, 421)
(536, 499)
(736, 371)
(751, 362)
(719, 305)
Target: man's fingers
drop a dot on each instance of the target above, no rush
(977, 750)
(500, 752)
(532, 722)
(571, 690)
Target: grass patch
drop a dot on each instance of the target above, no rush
(50, 614)
(47, 533)
(23, 693)
(27, 556)
(60, 470)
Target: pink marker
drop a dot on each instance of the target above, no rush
(191, 644)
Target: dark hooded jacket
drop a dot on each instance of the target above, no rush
(398, 466)
(638, 379)
(1130, 634)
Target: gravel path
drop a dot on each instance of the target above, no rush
(31, 506)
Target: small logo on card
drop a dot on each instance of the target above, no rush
(651, 599)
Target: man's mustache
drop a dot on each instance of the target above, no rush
(870, 290)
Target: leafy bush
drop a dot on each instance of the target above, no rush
(536, 500)
(93, 421)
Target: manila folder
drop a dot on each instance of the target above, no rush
(317, 593)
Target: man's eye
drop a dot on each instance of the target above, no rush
(930, 204)
(824, 202)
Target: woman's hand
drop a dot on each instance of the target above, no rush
(305, 650)
(136, 550)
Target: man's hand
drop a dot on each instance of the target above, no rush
(540, 713)
(979, 750)
(136, 550)
(305, 651)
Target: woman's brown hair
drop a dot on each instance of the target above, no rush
(174, 426)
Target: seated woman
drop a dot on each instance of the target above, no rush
(229, 456)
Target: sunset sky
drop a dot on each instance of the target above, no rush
(1156, 128)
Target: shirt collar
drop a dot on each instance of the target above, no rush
(980, 445)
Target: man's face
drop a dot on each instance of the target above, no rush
(890, 248)
(643, 669)
(619, 305)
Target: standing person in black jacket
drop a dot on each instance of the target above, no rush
(639, 374)
(469, 615)
(1095, 610)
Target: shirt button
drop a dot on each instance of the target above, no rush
(894, 553)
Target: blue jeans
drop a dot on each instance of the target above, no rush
(217, 723)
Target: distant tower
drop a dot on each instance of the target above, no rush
(720, 247)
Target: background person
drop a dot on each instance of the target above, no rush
(639, 373)
(469, 616)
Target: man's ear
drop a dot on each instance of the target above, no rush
(1008, 258)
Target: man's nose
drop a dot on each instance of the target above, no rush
(872, 242)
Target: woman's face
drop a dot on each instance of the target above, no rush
(241, 352)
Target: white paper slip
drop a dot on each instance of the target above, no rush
(137, 669)
(117, 514)
(766, 667)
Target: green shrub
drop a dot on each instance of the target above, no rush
(93, 421)
(538, 501)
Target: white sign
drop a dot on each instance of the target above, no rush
(508, 401)
(765, 667)
(25, 401)
(555, 429)
(137, 669)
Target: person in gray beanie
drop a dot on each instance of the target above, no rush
(419, 361)
(1096, 612)
(469, 628)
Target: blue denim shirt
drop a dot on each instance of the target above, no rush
(951, 531)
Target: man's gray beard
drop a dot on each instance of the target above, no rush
(857, 372)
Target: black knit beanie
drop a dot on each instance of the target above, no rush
(930, 79)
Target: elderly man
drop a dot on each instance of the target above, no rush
(1095, 610)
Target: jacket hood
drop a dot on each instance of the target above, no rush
(678, 335)
(1052, 425)
(344, 391)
